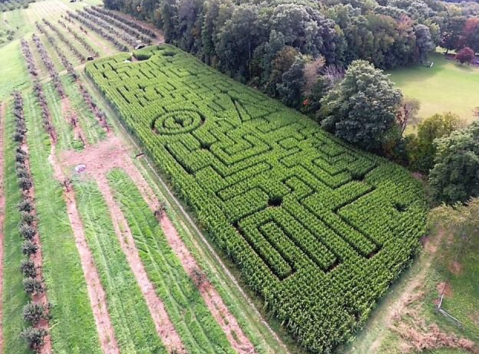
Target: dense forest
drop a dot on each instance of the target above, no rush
(259, 42)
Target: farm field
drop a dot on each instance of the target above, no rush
(111, 270)
(149, 204)
(285, 201)
(446, 87)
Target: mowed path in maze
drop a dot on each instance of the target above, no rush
(318, 229)
(147, 293)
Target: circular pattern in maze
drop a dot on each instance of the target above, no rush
(177, 122)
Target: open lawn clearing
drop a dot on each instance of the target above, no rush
(13, 71)
(446, 87)
(284, 200)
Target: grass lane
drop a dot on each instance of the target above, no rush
(72, 327)
(134, 328)
(196, 326)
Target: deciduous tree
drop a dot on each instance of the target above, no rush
(455, 176)
(465, 55)
(362, 108)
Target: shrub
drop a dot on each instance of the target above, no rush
(32, 286)
(34, 313)
(29, 248)
(28, 268)
(27, 231)
(25, 183)
(27, 218)
(34, 337)
(26, 205)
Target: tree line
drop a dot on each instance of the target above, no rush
(326, 60)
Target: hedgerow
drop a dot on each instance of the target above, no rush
(33, 282)
(318, 229)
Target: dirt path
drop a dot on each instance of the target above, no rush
(220, 312)
(112, 153)
(164, 327)
(2, 213)
(398, 306)
(95, 290)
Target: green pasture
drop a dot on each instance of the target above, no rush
(446, 87)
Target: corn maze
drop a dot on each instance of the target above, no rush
(318, 229)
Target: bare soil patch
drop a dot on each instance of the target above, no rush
(455, 268)
(444, 288)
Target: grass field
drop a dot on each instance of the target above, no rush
(125, 300)
(446, 87)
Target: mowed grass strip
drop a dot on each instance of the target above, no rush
(14, 296)
(65, 134)
(13, 70)
(73, 327)
(134, 328)
(88, 123)
(199, 331)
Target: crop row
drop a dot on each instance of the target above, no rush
(38, 89)
(78, 37)
(11, 5)
(319, 230)
(47, 61)
(62, 38)
(121, 18)
(65, 62)
(119, 24)
(89, 23)
(35, 311)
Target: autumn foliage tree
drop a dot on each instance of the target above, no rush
(465, 55)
